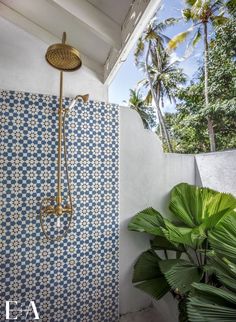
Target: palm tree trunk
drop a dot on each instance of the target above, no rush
(211, 131)
(157, 103)
(165, 134)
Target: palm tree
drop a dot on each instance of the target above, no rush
(146, 57)
(135, 99)
(136, 102)
(202, 13)
(166, 78)
(146, 113)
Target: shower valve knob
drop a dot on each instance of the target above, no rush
(49, 210)
(67, 209)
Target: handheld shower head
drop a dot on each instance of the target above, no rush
(84, 98)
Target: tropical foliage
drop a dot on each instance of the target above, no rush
(150, 56)
(208, 303)
(201, 236)
(146, 112)
(205, 109)
(188, 125)
(202, 13)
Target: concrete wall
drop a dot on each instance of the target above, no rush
(146, 177)
(23, 67)
(217, 171)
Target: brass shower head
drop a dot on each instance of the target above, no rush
(63, 57)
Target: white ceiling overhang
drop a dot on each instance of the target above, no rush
(104, 31)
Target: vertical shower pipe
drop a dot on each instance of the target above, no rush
(60, 112)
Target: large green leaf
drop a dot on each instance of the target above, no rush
(148, 220)
(180, 274)
(192, 237)
(148, 277)
(224, 270)
(223, 237)
(211, 304)
(156, 287)
(147, 267)
(193, 205)
(162, 243)
(211, 222)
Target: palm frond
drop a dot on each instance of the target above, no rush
(142, 83)
(148, 276)
(205, 203)
(187, 14)
(211, 304)
(148, 98)
(223, 237)
(224, 269)
(219, 20)
(231, 6)
(180, 274)
(197, 37)
(190, 2)
(192, 237)
(179, 38)
(161, 26)
(139, 50)
(148, 220)
(160, 243)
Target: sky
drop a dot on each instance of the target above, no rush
(129, 75)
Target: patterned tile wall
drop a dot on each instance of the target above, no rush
(75, 280)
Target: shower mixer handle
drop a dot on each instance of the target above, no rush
(58, 210)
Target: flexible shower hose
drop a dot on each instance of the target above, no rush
(58, 238)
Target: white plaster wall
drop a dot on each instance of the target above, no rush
(23, 67)
(217, 171)
(146, 177)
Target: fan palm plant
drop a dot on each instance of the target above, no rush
(208, 303)
(202, 215)
(146, 57)
(202, 13)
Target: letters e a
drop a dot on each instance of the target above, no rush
(31, 306)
